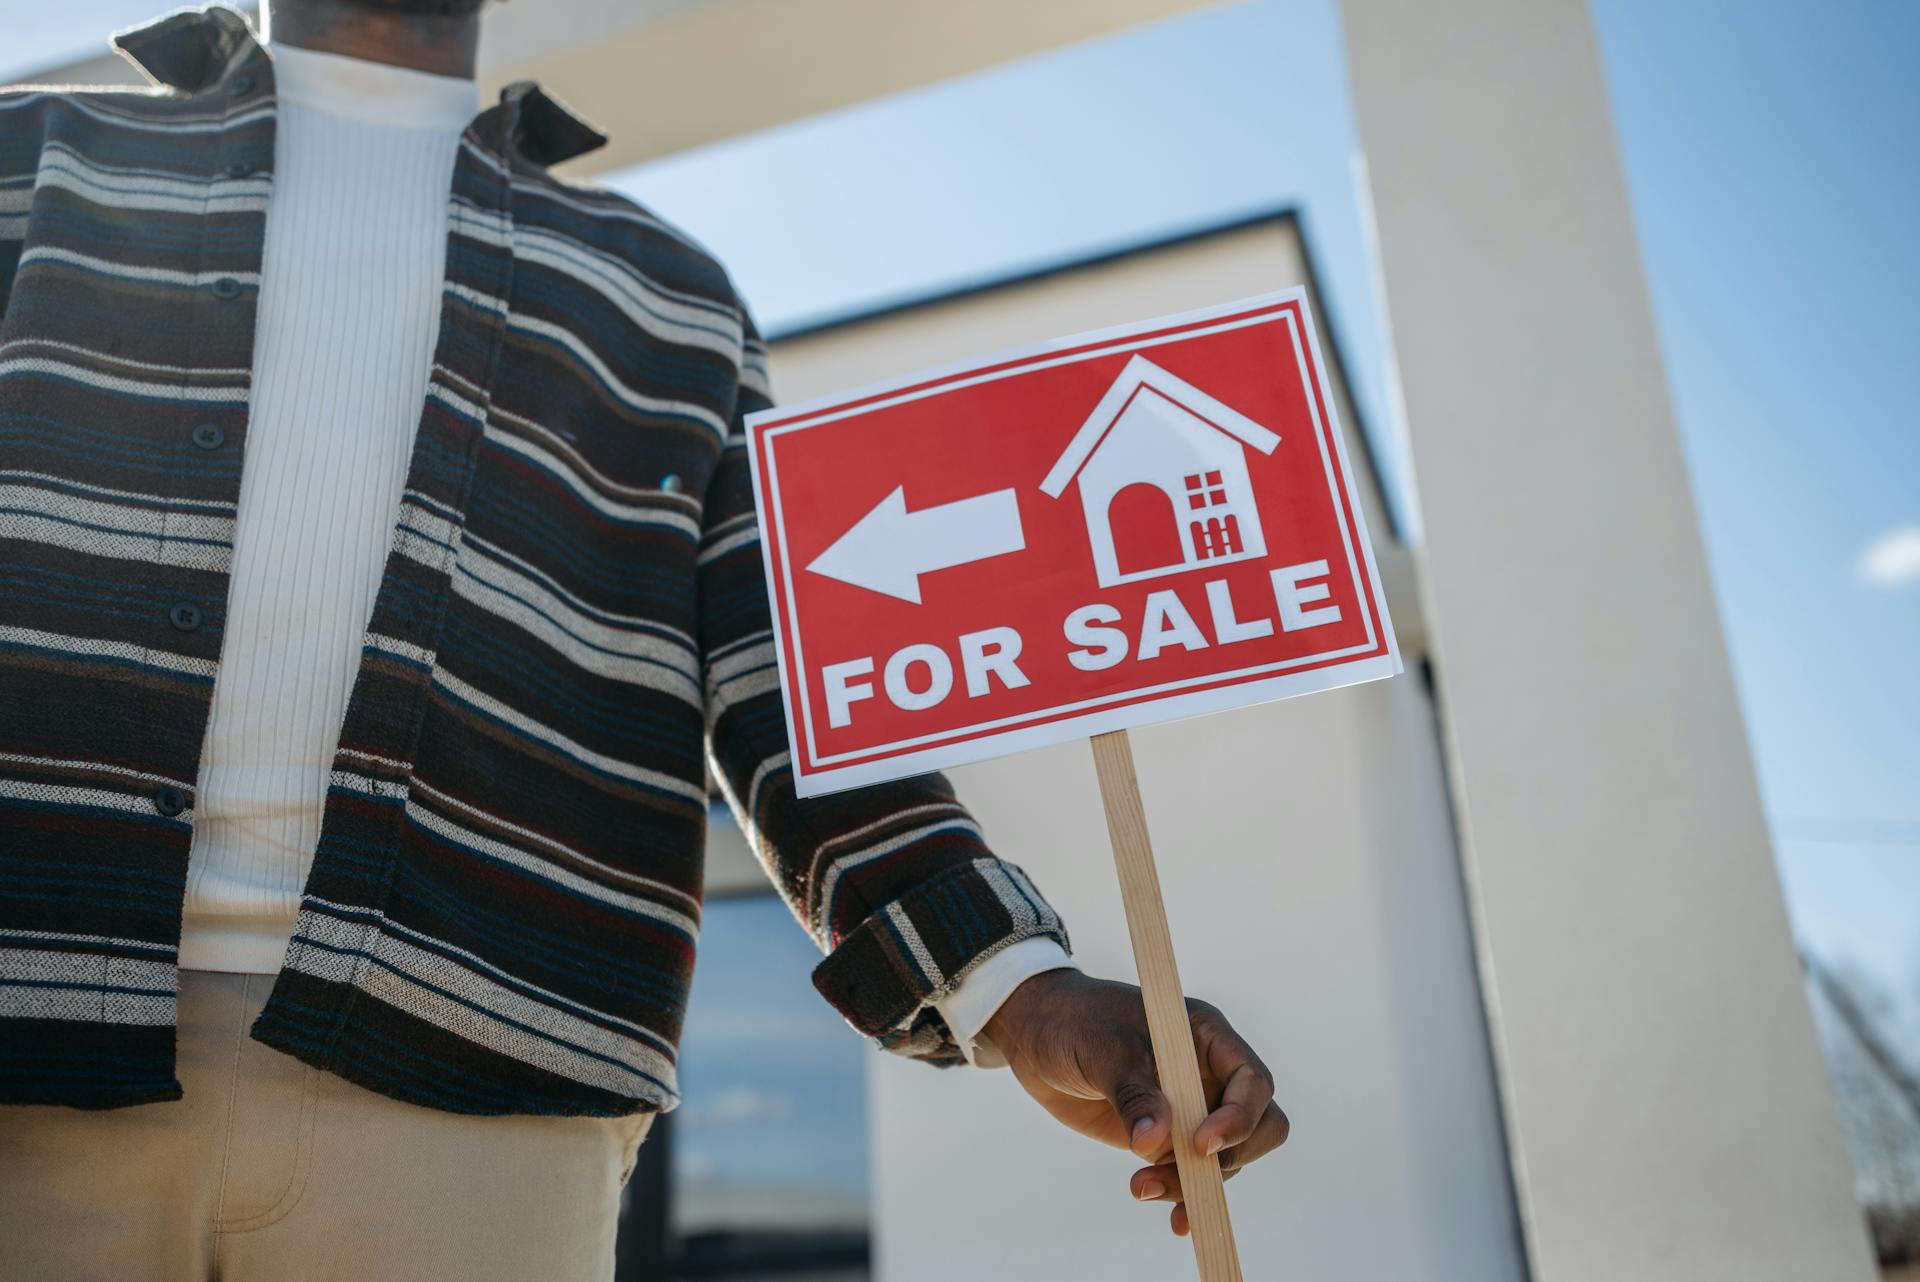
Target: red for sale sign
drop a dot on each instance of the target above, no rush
(1126, 526)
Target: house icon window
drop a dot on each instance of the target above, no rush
(1216, 533)
(1162, 473)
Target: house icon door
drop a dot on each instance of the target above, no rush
(1162, 471)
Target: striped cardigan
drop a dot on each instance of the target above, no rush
(571, 625)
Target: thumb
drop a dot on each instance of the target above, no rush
(1134, 1091)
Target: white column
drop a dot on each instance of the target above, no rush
(1666, 1103)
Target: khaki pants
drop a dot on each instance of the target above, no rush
(270, 1170)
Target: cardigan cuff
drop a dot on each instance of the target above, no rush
(916, 950)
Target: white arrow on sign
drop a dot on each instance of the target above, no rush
(889, 548)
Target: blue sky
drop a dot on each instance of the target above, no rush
(1769, 154)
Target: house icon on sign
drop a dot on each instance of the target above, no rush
(1163, 479)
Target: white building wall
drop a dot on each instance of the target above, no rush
(1312, 885)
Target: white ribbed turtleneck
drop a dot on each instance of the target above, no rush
(350, 283)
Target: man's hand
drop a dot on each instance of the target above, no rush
(1079, 1045)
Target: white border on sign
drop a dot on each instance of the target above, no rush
(840, 413)
(848, 770)
(1270, 317)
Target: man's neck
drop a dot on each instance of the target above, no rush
(444, 46)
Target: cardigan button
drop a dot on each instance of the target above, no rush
(241, 86)
(240, 169)
(185, 616)
(672, 483)
(209, 436)
(169, 800)
(226, 288)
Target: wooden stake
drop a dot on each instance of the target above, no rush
(1200, 1183)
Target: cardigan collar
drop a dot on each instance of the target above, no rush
(196, 50)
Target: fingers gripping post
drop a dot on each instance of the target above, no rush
(1200, 1181)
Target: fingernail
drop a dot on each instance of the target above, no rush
(1150, 1190)
(1141, 1127)
(1212, 1146)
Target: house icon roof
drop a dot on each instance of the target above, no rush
(1142, 375)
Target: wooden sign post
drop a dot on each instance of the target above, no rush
(1201, 1185)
